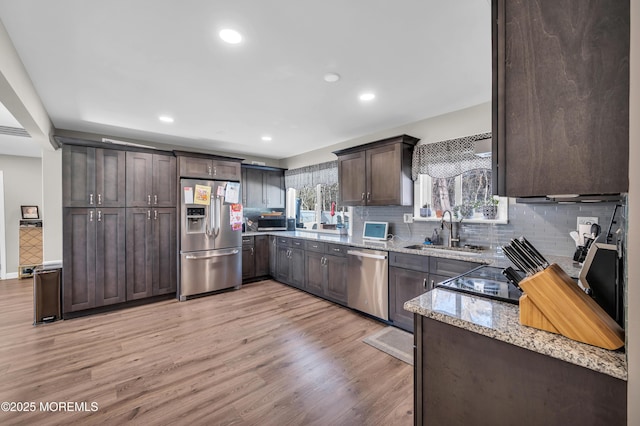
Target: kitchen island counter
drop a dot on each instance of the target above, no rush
(500, 321)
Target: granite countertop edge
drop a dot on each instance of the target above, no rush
(507, 328)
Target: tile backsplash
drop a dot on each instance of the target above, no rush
(547, 226)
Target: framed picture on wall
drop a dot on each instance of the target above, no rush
(30, 212)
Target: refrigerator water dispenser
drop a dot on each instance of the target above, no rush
(196, 223)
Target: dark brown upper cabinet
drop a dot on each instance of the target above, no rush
(377, 173)
(560, 97)
(93, 177)
(263, 187)
(151, 180)
(208, 167)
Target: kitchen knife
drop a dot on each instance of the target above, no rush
(515, 259)
(523, 252)
(512, 276)
(542, 261)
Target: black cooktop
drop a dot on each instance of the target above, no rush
(484, 281)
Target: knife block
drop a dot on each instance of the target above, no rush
(554, 302)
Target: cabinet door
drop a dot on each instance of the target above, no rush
(254, 188)
(336, 278)
(194, 167)
(248, 262)
(383, 175)
(273, 255)
(139, 179)
(165, 251)
(78, 176)
(139, 253)
(296, 262)
(110, 256)
(110, 178)
(164, 181)
(352, 177)
(282, 264)
(225, 170)
(561, 80)
(79, 259)
(262, 260)
(315, 272)
(404, 285)
(273, 181)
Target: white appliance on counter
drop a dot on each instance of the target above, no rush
(210, 247)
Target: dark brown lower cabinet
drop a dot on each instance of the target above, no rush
(464, 378)
(326, 276)
(290, 266)
(404, 285)
(151, 252)
(261, 245)
(93, 258)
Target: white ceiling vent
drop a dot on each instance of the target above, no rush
(14, 131)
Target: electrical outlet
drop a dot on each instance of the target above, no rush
(408, 218)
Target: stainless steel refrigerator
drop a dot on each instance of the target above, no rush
(210, 248)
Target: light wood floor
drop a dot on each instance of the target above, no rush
(263, 355)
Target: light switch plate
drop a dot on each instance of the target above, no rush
(408, 218)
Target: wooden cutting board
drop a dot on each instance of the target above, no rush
(554, 301)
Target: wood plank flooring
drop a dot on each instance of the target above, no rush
(267, 354)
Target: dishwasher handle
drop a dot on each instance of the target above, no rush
(366, 255)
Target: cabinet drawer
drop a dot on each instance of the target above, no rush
(450, 267)
(315, 246)
(409, 261)
(281, 241)
(247, 241)
(297, 243)
(337, 249)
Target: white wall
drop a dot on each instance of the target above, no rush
(22, 186)
(52, 206)
(633, 245)
(465, 122)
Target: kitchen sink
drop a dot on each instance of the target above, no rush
(473, 251)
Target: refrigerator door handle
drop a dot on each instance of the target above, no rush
(217, 218)
(229, 253)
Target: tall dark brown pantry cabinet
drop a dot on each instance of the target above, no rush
(119, 226)
(560, 97)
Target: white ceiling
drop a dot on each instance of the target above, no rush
(112, 67)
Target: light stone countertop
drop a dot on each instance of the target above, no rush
(486, 257)
(500, 321)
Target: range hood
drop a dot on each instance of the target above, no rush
(573, 198)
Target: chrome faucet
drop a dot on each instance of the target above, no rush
(454, 236)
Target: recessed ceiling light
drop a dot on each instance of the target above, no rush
(367, 96)
(230, 36)
(266, 138)
(165, 119)
(331, 77)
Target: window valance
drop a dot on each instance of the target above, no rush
(309, 176)
(448, 158)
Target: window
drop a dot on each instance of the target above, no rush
(467, 196)
(455, 175)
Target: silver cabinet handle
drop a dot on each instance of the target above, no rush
(99, 215)
(155, 215)
(91, 216)
(209, 169)
(99, 199)
(424, 283)
(433, 283)
(148, 200)
(368, 196)
(251, 251)
(91, 199)
(362, 198)
(215, 171)
(155, 199)
(148, 214)
(336, 249)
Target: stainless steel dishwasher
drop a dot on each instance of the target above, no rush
(368, 282)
